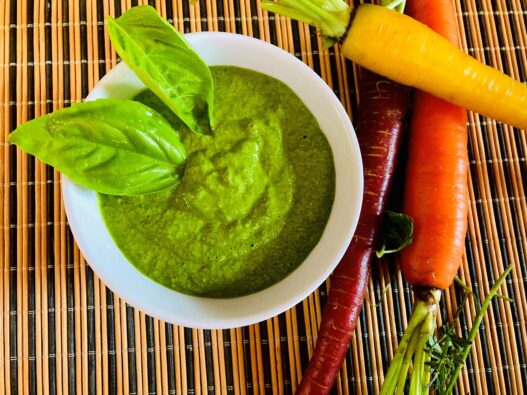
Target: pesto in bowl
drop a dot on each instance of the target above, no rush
(133, 286)
(254, 199)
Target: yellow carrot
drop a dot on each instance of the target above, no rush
(405, 50)
(402, 49)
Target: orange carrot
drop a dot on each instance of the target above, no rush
(436, 194)
(436, 197)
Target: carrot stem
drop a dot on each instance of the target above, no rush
(397, 5)
(403, 372)
(413, 346)
(465, 287)
(475, 327)
(392, 377)
(421, 373)
(331, 17)
(393, 5)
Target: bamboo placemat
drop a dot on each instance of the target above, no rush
(63, 331)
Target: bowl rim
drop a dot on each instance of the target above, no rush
(209, 313)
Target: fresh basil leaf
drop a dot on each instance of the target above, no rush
(399, 233)
(116, 147)
(166, 63)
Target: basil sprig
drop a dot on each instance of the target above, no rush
(164, 61)
(116, 147)
(122, 147)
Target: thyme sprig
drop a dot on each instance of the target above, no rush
(449, 351)
(447, 347)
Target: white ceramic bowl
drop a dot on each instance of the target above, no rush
(154, 299)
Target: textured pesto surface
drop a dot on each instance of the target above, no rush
(253, 202)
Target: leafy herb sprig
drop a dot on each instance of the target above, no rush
(447, 347)
(449, 351)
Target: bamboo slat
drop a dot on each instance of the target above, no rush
(62, 331)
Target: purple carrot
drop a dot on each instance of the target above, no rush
(382, 111)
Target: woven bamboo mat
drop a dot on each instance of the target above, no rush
(63, 331)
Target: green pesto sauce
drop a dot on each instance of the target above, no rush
(254, 199)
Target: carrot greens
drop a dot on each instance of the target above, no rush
(331, 17)
(397, 5)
